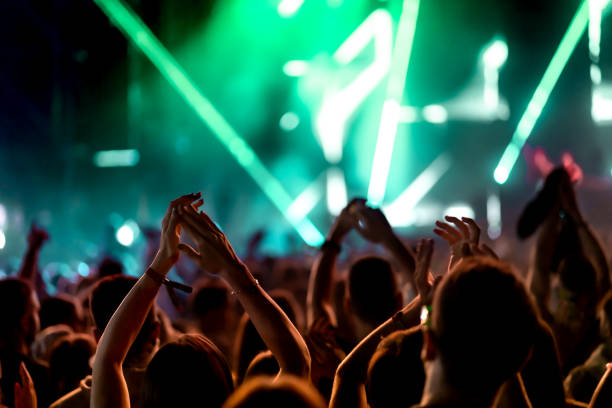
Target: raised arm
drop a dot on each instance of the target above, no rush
(217, 256)
(591, 246)
(28, 270)
(109, 388)
(319, 297)
(348, 389)
(373, 226)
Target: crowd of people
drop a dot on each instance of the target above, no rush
(330, 330)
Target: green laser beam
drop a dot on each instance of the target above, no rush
(395, 92)
(134, 28)
(542, 93)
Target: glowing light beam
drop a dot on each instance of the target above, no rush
(399, 212)
(132, 26)
(395, 92)
(542, 93)
(338, 107)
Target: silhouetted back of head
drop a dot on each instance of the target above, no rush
(189, 372)
(373, 291)
(15, 302)
(483, 324)
(69, 362)
(209, 297)
(105, 298)
(395, 372)
(286, 391)
(60, 309)
(109, 266)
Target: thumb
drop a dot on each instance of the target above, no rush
(189, 251)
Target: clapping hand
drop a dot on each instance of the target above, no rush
(168, 252)
(463, 237)
(215, 253)
(371, 222)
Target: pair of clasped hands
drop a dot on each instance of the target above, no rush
(214, 252)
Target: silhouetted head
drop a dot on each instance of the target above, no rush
(19, 320)
(60, 309)
(578, 278)
(69, 362)
(109, 266)
(188, 372)
(373, 294)
(264, 363)
(483, 326)
(210, 305)
(395, 372)
(270, 392)
(105, 298)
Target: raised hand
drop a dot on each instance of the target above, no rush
(25, 394)
(345, 220)
(216, 254)
(371, 222)
(168, 252)
(463, 237)
(37, 236)
(424, 280)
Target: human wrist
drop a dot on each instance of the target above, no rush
(162, 264)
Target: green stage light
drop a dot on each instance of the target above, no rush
(395, 92)
(116, 158)
(287, 8)
(134, 28)
(542, 93)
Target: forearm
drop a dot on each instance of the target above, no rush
(318, 300)
(109, 388)
(594, 252)
(29, 264)
(272, 324)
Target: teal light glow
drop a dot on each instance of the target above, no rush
(395, 92)
(116, 158)
(132, 26)
(542, 93)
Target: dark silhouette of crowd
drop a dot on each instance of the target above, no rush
(336, 326)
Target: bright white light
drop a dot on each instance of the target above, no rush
(494, 216)
(336, 191)
(384, 152)
(601, 105)
(496, 54)
(595, 74)
(116, 158)
(127, 233)
(399, 212)
(289, 121)
(501, 174)
(305, 202)
(408, 114)
(295, 68)
(460, 210)
(288, 8)
(2, 239)
(83, 269)
(435, 114)
(2, 216)
(338, 106)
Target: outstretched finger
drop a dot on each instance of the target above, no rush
(444, 235)
(452, 232)
(475, 234)
(26, 379)
(460, 225)
(182, 199)
(189, 251)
